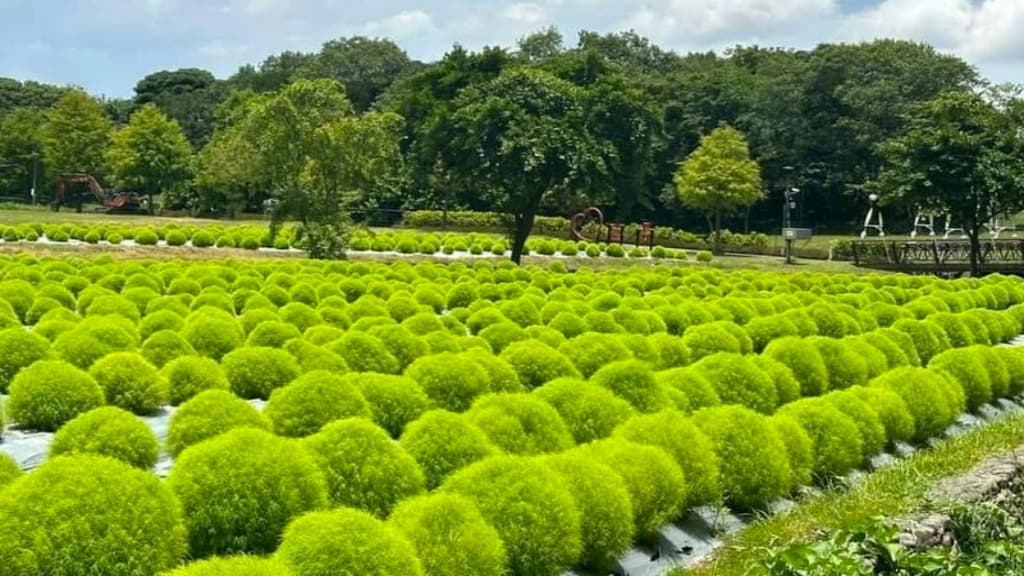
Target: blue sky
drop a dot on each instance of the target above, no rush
(106, 46)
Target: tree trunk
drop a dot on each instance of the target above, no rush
(974, 239)
(522, 224)
(150, 207)
(717, 246)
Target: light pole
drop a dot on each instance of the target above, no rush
(787, 222)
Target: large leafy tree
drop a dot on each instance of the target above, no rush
(719, 178)
(320, 157)
(523, 137)
(21, 152)
(77, 134)
(189, 96)
(15, 94)
(151, 154)
(963, 154)
(366, 67)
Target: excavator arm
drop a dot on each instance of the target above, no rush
(119, 202)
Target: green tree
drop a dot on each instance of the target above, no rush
(15, 94)
(189, 96)
(540, 46)
(719, 178)
(77, 135)
(963, 154)
(523, 136)
(150, 154)
(21, 152)
(319, 158)
(365, 67)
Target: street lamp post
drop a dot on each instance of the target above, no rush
(787, 222)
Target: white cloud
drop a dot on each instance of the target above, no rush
(525, 13)
(732, 19)
(406, 24)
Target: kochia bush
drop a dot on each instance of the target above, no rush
(189, 375)
(450, 536)
(591, 351)
(346, 541)
(239, 491)
(869, 424)
(363, 467)
(536, 363)
(969, 370)
(130, 382)
(210, 414)
(449, 382)
(520, 424)
(838, 446)
(799, 448)
(845, 368)
(635, 382)
(164, 346)
(892, 412)
(233, 566)
(9, 470)
(49, 393)
(591, 412)
(753, 460)
(312, 401)
(256, 372)
(737, 380)
(108, 431)
(213, 336)
(394, 401)
(804, 360)
(364, 353)
(922, 391)
(89, 511)
(19, 348)
(531, 508)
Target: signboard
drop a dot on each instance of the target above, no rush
(796, 233)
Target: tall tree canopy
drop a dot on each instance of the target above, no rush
(77, 133)
(151, 154)
(189, 96)
(365, 67)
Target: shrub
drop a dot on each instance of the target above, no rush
(187, 376)
(872, 431)
(502, 334)
(655, 482)
(892, 411)
(130, 382)
(737, 380)
(146, 237)
(450, 536)
(799, 449)
(49, 393)
(590, 412)
(450, 384)
(113, 304)
(536, 363)
(208, 414)
(968, 369)
(1013, 358)
(707, 339)
(19, 349)
(365, 353)
(94, 338)
(753, 460)
(232, 566)
(9, 470)
(394, 401)
(998, 371)
(589, 352)
(202, 239)
(520, 424)
(164, 346)
(19, 294)
(926, 343)
(922, 391)
(531, 508)
(364, 468)
(89, 513)
(838, 446)
(312, 357)
(108, 431)
(845, 368)
(894, 354)
(634, 381)
(240, 489)
(311, 402)
(160, 320)
(787, 389)
(804, 360)
(255, 372)
(346, 542)
(272, 334)
(677, 435)
(213, 336)
(443, 442)
(501, 375)
(698, 391)
(704, 256)
(605, 508)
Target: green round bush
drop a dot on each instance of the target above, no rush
(364, 468)
(165, 346)
(968, 369)
(656, 485)
(799, 449)
(9, 470)
(704, 256)
(240, 489)
(998, 371)
(187, 376)
(531, 508)
(893, 351)
(926, 341)
(737, 380)
(213, 336)
(591, 412)
(257, 371)
(869, 424)
(346, 541)
(202, 239)
(753, 461)
(502, 334)
(448, 382)
(312, 401)
(94, 338)
(845, 368)
(698, 391)
(89, 513)
(707, 339)
(450, 536)
(892, 412)
(443, 442)
(312, 357)
(677, 435)
(605, 508)
(501, 375)
(1013, 359)
(805, 361)
(536, 363)
(520, 424)
(130, 382)
(208, 414)
(49, 393)
(922, 391)
(19, 349)
(232, 566)
(787, 389)
(394, 401)
(838, 446)
(108, 431)
(634, 381)
(365, 353)
(272, 334)
(764, 329)
(113, 305)
(591, 351)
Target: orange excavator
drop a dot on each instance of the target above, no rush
(112, 202)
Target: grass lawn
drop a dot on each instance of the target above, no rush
(890, 492)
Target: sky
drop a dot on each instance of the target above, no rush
(106, 46)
